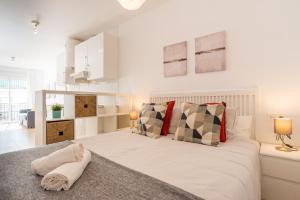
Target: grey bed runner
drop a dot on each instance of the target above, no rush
(102, 179)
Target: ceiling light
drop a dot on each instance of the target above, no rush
(35, 24)
(131, 4)
(13, 58)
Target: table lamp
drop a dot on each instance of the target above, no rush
(283, 127)
(133, 116)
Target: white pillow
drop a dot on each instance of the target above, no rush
(176, 115)
(243, 127)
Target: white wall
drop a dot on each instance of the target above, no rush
(263, 46)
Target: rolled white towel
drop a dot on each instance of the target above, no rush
(44, 165)
(63, 177)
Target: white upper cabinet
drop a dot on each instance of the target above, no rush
(81, 57)
(97, 55)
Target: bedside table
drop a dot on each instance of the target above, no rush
(280, 173)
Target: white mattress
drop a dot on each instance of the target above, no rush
(228, 172)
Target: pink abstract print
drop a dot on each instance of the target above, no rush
(210, 53)
(175, 60)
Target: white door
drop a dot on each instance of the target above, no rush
(95, 57)
(80, 56)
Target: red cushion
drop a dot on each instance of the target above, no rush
(167, 119)
(223, 123)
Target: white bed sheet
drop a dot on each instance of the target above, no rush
(228, 172)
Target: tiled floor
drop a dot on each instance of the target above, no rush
(14, 137)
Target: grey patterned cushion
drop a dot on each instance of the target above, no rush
(150, 120)
(200, 123)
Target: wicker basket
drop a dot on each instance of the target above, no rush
(85, 106)
(58, 131)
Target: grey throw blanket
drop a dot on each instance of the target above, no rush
(102, 179)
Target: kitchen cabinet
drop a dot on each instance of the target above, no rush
(98, 56)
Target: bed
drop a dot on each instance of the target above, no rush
(230, 171)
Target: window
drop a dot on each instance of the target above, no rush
(13, 98)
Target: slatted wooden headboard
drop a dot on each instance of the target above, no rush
(243, 100)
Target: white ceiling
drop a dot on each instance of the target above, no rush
(59, 19)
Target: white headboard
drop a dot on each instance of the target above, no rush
(243, 100)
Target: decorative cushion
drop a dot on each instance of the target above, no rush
(200, 123)
(167, 119)
(223, 122)
(151, 119)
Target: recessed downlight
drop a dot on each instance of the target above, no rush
(35, 23)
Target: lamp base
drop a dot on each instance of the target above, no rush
(285, 148)
(132, 124)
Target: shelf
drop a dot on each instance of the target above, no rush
(100, 115)
(58, 119)
(71, 92)
(112, 118)
(112, 114)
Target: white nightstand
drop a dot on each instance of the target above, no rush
(280, 173)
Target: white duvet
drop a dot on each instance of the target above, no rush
(228, 172)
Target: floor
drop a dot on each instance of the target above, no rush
(15, 137)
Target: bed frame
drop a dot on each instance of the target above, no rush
(245, 101)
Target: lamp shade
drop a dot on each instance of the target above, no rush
(283, 126)
(133, 115)
(131, 4)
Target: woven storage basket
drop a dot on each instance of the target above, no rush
(85, 106)
(58, 131)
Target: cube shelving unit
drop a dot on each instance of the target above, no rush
(112, 113)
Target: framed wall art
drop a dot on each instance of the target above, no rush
(210, 53)
(175, 59)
